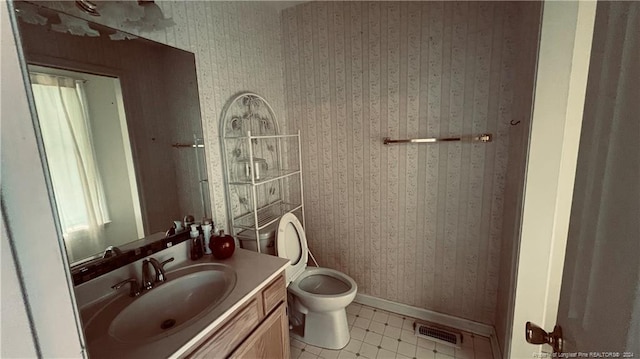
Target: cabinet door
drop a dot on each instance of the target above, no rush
(232, 333)
(269, 340)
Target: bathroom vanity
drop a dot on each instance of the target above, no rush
(249, 321)
(259, 329)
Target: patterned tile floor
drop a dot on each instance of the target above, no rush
(376, 333)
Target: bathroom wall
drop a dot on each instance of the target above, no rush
(16, 335)
(237, 49)
(415, 224)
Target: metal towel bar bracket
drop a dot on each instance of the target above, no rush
(485, 137)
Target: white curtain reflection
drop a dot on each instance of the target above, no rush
(62, 111)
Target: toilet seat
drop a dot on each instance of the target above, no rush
(291, 243)
(342, 286)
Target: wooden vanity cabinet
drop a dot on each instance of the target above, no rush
(269, 340)
(258, 329)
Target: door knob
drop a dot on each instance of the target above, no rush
(536, 335)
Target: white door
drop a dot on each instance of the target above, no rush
(592, 290)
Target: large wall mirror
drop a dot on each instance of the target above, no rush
(120, 126)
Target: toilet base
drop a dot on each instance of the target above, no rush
(328, 330)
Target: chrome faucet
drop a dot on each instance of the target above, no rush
(134, 290)
(111, 251)
(147, 281)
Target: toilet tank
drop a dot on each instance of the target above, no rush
(247, 239)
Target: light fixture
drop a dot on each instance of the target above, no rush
(88, 6)
(153, 18)
(74, 26)
(123, 17)
(143, 16)
(119, 35)
(30, 15)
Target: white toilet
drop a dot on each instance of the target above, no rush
(317, 296)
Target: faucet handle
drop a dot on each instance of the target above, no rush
(134, 290)
(167, 261)
(159, 266)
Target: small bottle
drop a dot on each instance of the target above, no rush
(206, 231)
(196, 243)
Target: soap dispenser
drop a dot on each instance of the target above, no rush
(196, 243)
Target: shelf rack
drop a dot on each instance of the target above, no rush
(261, 217)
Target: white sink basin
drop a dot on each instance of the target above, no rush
(188, 294)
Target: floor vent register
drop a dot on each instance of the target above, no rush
(438, 335)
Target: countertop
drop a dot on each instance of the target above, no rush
(253, 272)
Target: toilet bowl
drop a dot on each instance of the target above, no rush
(317, 296)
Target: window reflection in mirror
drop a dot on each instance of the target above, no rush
(85, 136)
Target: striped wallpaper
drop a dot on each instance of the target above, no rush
(416, 224)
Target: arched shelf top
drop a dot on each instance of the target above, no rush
(248, 112)
(263, 169)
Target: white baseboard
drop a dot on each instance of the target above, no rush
(435, 317)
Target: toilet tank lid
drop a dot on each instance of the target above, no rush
(268, 232)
